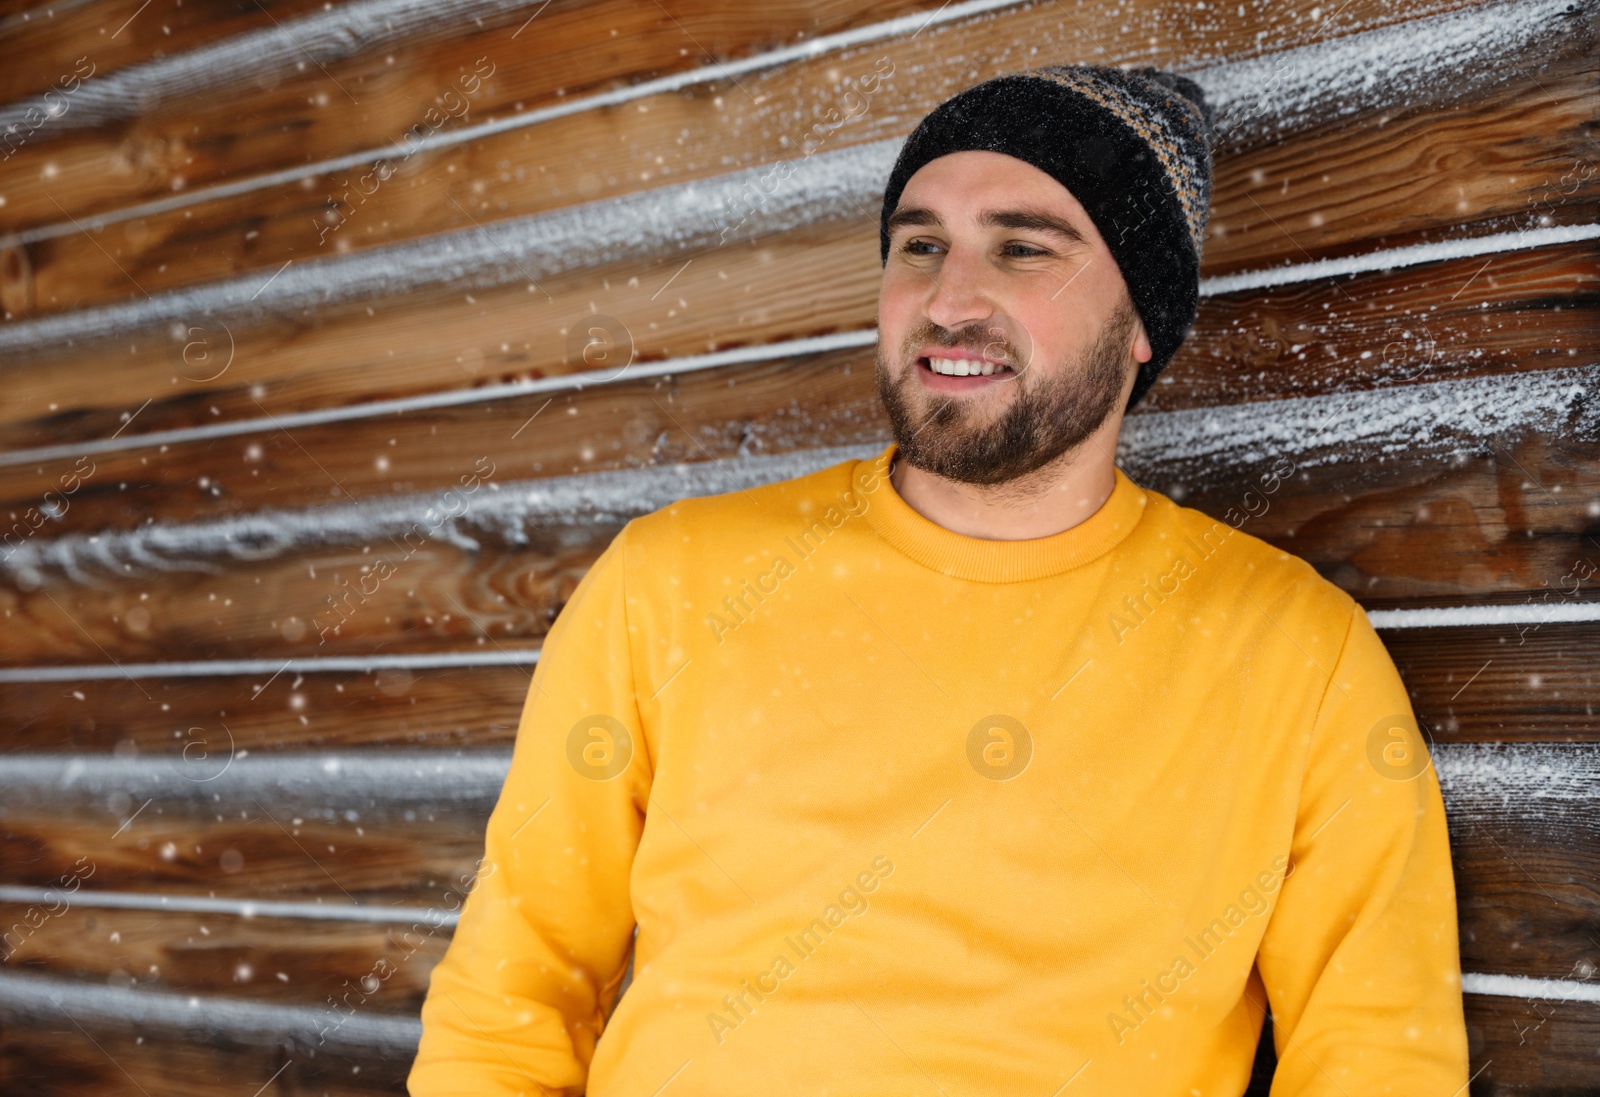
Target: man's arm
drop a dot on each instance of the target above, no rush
(521, 995)
(1361, 960)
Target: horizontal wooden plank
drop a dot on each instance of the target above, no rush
(258, 56)
(338, 966)
(1532, 1048)
(203, 243)
(216, 821)
(272, 710)
(65, 1062)
(1529, 682)
(1439, 520)
(1499, 313)
(449, 336)
(785, 404)
(1475, 316)
(254, 853)
(45, 40)
(216, 781)
(1524, 834)
(97, 1040)
(418, 596)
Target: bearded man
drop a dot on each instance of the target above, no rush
(973, 768)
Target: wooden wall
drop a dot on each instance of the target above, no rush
(315, 412)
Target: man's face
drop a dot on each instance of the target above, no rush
(993, 262)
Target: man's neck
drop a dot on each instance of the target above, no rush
(1049, 500)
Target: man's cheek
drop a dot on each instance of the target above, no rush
(898, 302)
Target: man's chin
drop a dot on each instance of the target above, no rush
(959, 456)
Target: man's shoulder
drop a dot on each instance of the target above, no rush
(1246, 564)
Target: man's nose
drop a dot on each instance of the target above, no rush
(960, 292)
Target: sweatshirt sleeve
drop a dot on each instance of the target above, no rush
(1361, 960)
(521, 995)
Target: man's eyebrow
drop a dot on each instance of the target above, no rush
(913, 215)
(1033, 219)
(1036, 220)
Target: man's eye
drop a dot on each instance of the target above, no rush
(1014, 250)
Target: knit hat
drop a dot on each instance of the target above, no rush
(1133, 148)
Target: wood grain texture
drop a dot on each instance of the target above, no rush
(439, 598)
(579, 49)
(417, 863)
(785, 405)
(1524, 828)
(60, 1059)
(444, 339)
(537, 169)
(1477, 316)
(44, 40)
(306, 113)
(1489, 527)
(378, 967)
(1533, 682)
(1409, 172)
(1532, 1048)
(466, 706)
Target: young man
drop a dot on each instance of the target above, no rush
(974, 768)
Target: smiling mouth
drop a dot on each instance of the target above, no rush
(963, 367)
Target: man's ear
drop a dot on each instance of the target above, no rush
(1142, 351)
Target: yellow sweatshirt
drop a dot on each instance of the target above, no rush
(901, 811)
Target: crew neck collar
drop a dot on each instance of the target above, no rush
(994, 561)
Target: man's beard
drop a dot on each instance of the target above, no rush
(1050, 413)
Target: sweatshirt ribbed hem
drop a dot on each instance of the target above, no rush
(993, 561)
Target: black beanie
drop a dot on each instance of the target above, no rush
(1132, 146)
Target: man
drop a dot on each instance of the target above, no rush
(974, 768)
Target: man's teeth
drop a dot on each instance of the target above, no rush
(964, 367)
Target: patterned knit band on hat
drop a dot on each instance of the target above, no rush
(1132, 146)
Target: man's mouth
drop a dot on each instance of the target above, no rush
(963, 367)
